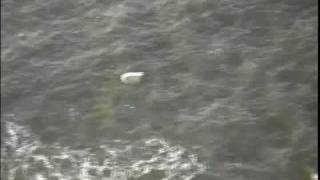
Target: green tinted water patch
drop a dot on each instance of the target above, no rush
(176, 129)
(282, 129)
(182, 132)
(282, 121)
(19, 174)
(298, 168)
(101, 117)
(246, 72)
(186, 129)
(280, 126)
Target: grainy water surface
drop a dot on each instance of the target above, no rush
(230, 89)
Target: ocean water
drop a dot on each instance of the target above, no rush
(230, 90)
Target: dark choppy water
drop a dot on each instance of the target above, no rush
(230, 89)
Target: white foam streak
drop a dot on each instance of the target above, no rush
(121, 159)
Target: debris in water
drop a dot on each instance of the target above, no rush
(314, 177)
(131, 77)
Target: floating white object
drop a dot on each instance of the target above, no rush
(314, 177)
(131, 77)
